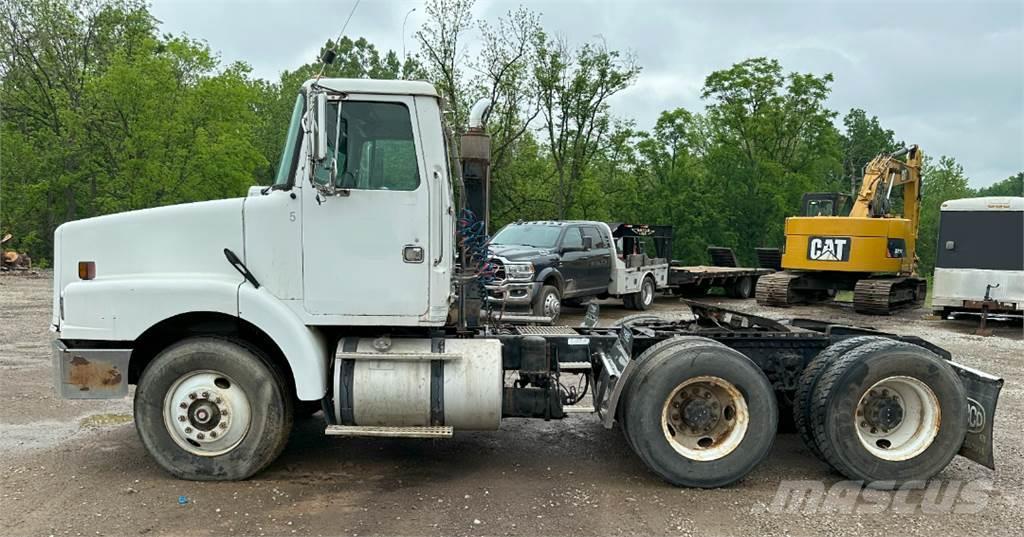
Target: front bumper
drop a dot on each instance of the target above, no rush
(83, 373)
(513, 293)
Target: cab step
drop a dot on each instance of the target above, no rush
(389, 432)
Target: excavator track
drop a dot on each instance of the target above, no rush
(776, 290)
(882, 296)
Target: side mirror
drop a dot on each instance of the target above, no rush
(319, 110)
(588, 243)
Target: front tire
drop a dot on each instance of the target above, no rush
(699, 414)
(548, 303)
(211, 409)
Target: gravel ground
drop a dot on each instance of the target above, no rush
(78, 468)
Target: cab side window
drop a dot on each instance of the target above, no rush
(572, 238)
(596, 239)
(377, 150)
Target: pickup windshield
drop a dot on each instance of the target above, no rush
(536, 235)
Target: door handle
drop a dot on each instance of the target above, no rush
(412, 254)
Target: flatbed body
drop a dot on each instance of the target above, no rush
(679, 275)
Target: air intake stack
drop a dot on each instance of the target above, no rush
(476, 163)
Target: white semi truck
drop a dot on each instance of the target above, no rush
(348, 286)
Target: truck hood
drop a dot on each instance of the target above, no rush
(186, 238)
(517, 252)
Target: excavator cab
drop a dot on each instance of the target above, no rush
(826, 204)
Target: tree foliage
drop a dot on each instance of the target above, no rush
(100, 113)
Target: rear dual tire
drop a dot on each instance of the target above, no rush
(642, 299)
(887, 412)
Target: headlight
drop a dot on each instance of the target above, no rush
(519, 271)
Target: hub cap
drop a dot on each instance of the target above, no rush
(647, 293)
(552, 305)
(206, 413)
(705, 418)
(898, 418)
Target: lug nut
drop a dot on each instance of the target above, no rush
(213, 434)
(192, 395)
(206, 395)
(200, 436)
(223, 425)
(181, 418)
(217, 400)
(188, 430)
(183, 405)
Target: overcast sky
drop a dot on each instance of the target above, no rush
(946, 75)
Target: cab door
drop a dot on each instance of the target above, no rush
(366, 249)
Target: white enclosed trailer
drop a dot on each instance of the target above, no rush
(979, 255)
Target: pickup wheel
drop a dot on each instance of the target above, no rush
(209, 408)
(889, 412)
(548, 302)
(642, 299)
(700, 414)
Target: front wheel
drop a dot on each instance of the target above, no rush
(209, 409)
(548, 303)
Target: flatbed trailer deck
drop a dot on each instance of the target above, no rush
(738, 282)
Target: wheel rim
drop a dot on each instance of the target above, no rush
(552, 305)
(898, 418)
(705, 418)
(647, 293)
(207, 413)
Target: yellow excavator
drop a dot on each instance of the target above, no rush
(870, 251)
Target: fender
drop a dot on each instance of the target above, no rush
(122, 308)
(304, 348)
(551, 271)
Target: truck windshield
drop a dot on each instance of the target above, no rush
(291, 140)
(536, 235)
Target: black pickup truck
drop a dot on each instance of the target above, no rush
(543, 263)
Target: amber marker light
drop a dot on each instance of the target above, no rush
(86, 270)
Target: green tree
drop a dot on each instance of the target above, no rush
(942, 181)
(863, 139)
(770, 139)
(574, 87)
(1011, 186)
(100, 115)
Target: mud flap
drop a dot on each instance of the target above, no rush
(982, 395)
(617, 368)
(90, 373)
